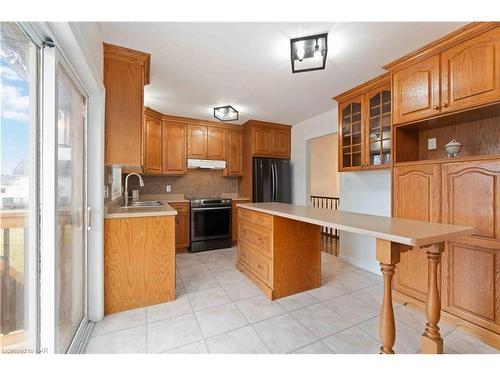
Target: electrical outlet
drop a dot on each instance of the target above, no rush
(431, 144)
(168, 188)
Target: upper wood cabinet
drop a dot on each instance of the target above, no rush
(234, 148)
(365, 126)
(416, 91)
(470, 72)
(269, 140)
(216, 143)
(152, 145)
(174, 148)
(197, 142)
(456, 73)
(281, 143)
(351, 140)
(125, 73)
(262, 141)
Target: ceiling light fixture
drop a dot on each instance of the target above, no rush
(308, 53)
(226, 113)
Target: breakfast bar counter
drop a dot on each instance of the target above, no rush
(279, 251)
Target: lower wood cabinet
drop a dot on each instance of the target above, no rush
(139, 262)
(234, 216)
(182, 235)
(416, 196)
(280, 265)
(460, 193)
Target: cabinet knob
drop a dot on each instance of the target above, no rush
(436, 107)
(445, 105)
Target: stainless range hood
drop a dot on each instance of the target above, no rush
(206, 164)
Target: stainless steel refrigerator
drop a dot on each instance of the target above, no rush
(272, 180)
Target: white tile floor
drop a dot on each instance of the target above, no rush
(218, 310)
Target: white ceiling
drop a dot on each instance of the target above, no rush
(198, 66)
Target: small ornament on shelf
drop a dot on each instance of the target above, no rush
(453, 148)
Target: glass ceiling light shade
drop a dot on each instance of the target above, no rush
(309, 53)
(226, 113)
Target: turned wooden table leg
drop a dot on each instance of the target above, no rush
(388, 256)
(432, 342)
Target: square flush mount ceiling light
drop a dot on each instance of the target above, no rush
(226, 113)
(309, 53)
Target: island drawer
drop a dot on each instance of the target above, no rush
(245, 214)
(255, 262)
(262, 220)
(259, 238)
(257, 218)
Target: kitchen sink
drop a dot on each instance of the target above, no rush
(142, 204)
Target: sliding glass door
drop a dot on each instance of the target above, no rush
(71, 209)
(19, 58)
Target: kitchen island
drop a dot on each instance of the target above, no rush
(285, 233)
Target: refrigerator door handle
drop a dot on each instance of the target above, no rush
(276, 183)
(273, 171)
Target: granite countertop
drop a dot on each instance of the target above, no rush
(403, 231)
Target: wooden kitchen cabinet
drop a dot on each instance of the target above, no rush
(281, 256)
(126, 72)
(174, 148)
(470, 73)
(269, 140)
(416, 91)
(262, 142)
(281, 139)
(234, 216)
(458, 72)
(365, 126)
(139, 262)
(197, 142)
(416, 196)
(152, 145)
(234, 149)
(460, 193)
(216, 138)
(182, 234)
(471, 265)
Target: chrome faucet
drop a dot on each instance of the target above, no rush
(141, 183)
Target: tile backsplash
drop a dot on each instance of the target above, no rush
(196, 183)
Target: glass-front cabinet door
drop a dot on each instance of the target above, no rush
(379, 127)
(351, 134)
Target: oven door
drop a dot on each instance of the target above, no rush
(208, 223)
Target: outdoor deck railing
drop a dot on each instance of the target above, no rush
(329, 203)
(14, 233)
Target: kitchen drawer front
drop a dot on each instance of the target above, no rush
(245, 214)
(260, 239)
(263, 220)
(255, 262)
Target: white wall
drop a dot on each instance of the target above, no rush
(369, 193)
(323, 124)
(364, 192)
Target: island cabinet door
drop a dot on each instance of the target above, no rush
(417, 196)
(471, 265)
(415, 91)
(470, 72)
